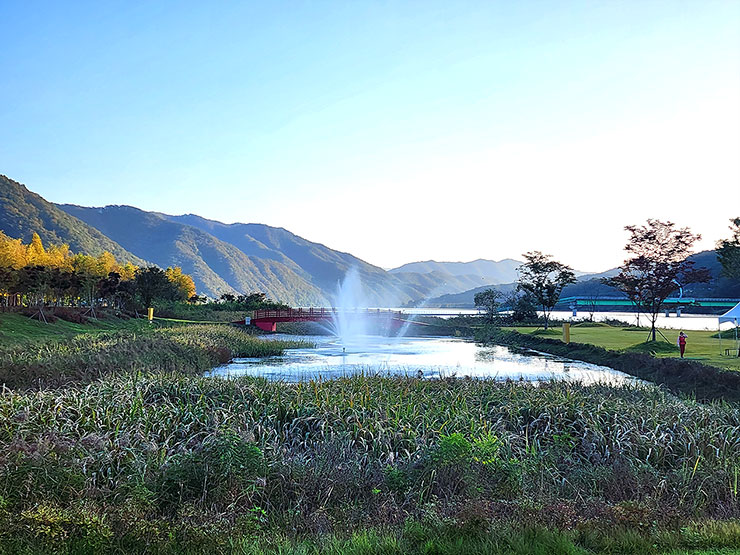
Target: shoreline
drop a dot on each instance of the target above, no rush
(687, 377)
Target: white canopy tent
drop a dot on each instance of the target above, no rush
(733, 316)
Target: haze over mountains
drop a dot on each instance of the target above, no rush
(247, 257)
(590, 285)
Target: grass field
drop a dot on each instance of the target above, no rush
(701, 345)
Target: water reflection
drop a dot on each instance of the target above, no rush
(435, 357)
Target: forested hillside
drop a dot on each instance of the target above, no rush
(23, 213)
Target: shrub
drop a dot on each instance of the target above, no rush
(452, 450)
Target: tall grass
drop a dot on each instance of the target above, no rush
(189, 350)
(138, 460)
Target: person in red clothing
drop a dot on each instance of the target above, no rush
(682, 342)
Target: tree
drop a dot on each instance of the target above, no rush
(592, 303)
(544, 279)
(108, 287)
(34, 282)
(728, 251)
(8, 278)
(182, 282)
(152, 284)
(488, 300)
(659, 263)
(88, 270)
(522, 305)
(12, 252)
(35, 252)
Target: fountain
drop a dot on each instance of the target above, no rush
(349, 321)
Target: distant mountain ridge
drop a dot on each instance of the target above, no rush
(220, 257)
(256, 257)
(216, 266)
(321, 266)
(490, 271)
(590, 285)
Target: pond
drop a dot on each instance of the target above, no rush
(434, 357)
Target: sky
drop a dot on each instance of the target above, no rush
(397, 131)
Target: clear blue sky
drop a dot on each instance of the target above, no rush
(397, 131)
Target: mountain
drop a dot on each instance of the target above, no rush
(325, 268)
(216, 266)
(256, 257)
(464, 299)
(488, 271)
(23, 212)
(247, 257)
(590, 285)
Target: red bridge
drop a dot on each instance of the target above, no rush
(267, 319)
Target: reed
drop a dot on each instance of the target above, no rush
(191, 350)
(149, 461)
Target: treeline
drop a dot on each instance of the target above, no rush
(657, 267)
(34, 275)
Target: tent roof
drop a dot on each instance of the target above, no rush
(732, 315)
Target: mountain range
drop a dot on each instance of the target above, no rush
(235, 257)
(23, 212)
(248, 257)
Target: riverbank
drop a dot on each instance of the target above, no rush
(172, 463)
(688, 377)
(38, 355)
(703, 346)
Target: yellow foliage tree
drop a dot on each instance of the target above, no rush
(92, 270)
(35, 252)
(127, 271)
(184, 282)
(12, 252)
(58, 256)
(106, 263)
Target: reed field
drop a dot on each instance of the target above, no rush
(112, 440)
(91, 355)
(165, 463)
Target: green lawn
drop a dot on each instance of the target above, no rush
(17, 328)
(701, 346)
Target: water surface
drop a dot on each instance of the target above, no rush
(683, 322)
(434, 357)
